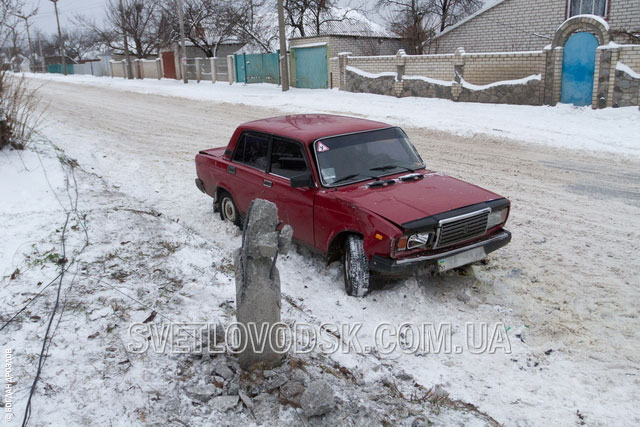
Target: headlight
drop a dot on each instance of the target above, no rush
(414, 241)
(497, 217)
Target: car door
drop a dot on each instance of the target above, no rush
(295, 205)
(248, 165)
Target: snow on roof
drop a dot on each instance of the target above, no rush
(349, 23)
(310, 45)
(487, 6)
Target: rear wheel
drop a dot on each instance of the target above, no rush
(228, 210)
(356, 267)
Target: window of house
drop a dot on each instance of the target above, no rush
(287, 159)
(587, 7)
(252, 150)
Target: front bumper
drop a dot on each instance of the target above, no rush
(386, 265)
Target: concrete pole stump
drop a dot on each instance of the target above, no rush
(258, 297)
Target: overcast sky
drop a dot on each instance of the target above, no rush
(46, 18)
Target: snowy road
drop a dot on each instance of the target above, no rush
(567, 286)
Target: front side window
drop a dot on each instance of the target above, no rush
(588, 7)
(351, 158)
(287, 159)
(252, 150)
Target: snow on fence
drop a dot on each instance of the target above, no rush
(526, 78)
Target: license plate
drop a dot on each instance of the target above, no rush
(461, 259)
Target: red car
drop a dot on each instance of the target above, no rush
(355, 190)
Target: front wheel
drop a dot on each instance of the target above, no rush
(356, 267)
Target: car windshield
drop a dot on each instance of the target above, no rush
(350, 158)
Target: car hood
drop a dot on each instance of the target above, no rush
(408, 201)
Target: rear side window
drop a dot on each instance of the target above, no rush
(287, 159)
(252, 150)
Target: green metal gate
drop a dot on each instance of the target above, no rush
(57, 69)
(311, 67)
(257, 68)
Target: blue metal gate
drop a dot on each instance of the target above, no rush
(578, 67)
(257, 68)
(311, 67)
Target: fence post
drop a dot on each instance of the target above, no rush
(231, 71)
(458, 73)
(125, 69)
(140, 68)
(401, 60)
(159, 69)
(198, 70)
(213, 69)
(343, 61)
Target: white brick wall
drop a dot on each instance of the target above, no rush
(434, 66)
(483, 69)
(522, 25)
(630, 55)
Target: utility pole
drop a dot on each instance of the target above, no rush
(61, 42)
(26, 23)
(284, 63)
(41, 55)
(183, 60)
(126, 44)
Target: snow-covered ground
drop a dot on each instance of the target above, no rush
(566, 288)
(612, 130)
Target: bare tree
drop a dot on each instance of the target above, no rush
(412, 20)
(208, 23)
(256, 23)
(143, 21)
(418, 21)
(309, 17)
(79, 42)
(450, 12)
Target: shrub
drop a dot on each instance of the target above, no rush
(20, 112)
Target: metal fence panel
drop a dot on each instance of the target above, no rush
(258, 68)
(57, 69)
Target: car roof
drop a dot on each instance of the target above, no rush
(309, 127)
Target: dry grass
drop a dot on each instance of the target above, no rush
(20, 111)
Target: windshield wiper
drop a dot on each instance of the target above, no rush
(353, 175)
(387, 167)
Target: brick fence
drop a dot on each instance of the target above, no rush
(525, 78)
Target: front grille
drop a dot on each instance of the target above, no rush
(462, 228)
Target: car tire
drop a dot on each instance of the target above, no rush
(356, 267)
(228, 210)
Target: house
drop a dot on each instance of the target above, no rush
(310, 56)
(57, 60)
(524, 25)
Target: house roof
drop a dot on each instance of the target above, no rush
(349, 23)
(488, 6)
(309, 127)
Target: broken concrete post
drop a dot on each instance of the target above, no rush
(258, 299)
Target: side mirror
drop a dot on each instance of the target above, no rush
(304, 180)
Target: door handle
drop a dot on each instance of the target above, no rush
(231, 169)
(267, 183)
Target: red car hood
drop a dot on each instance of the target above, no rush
(408, 201)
